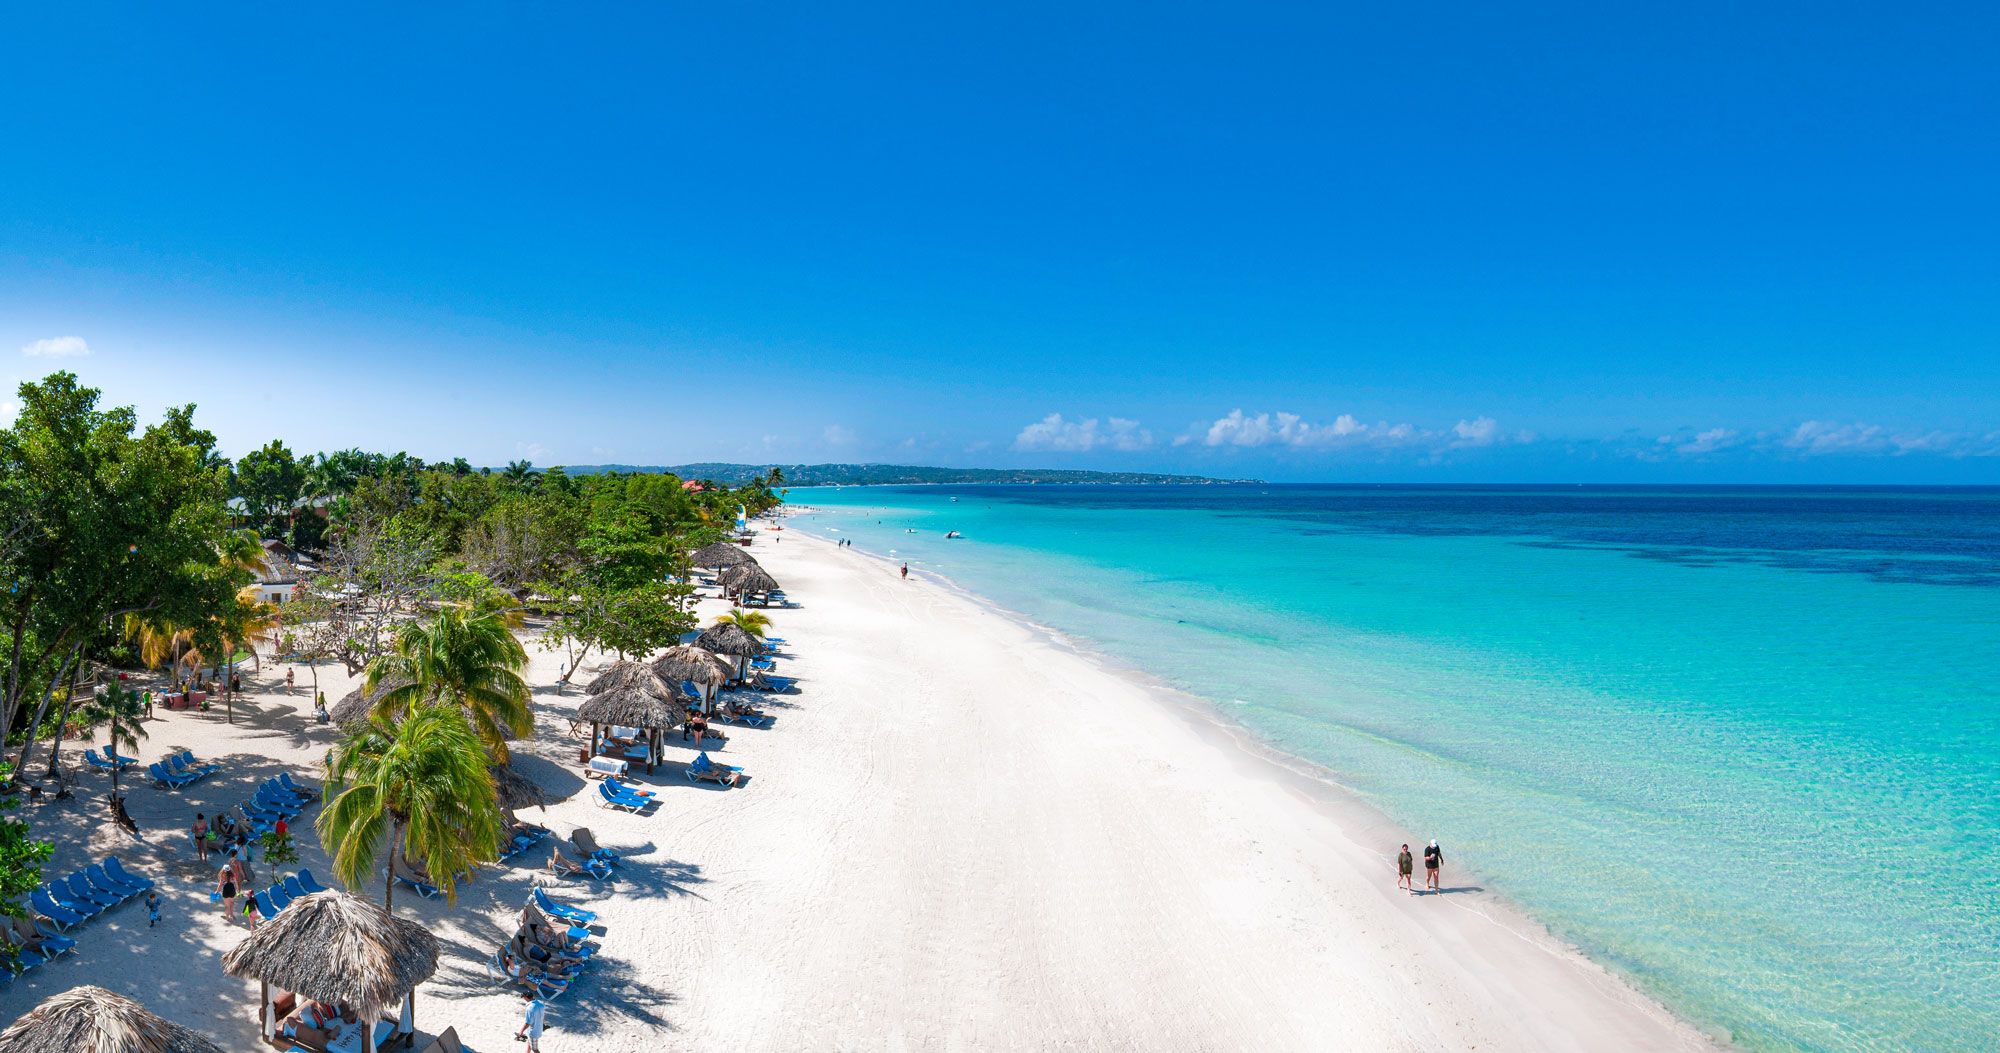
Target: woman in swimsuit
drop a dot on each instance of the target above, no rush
(1404, 866)
(226, 885)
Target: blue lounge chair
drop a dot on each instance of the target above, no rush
(81, 894)
(186, 758)
(117, 870)
(59, 943)
(163, 777)
(100, 879)
(705, 770)
(112, 756)
(612, 798)
(293, 889)
(62, 917)
(98, 762)
(310, 883)
(60, 894)
(305, 793)
(574, 915)
(285, 807)
(279, 897)
(265, 908)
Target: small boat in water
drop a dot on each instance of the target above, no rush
(950, 534)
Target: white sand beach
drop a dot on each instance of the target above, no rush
(959, 834)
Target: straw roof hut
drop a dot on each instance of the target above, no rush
(746, 578)
(721, 554)
(353, 708)
(728, 638)
(338, 948)
(633, 707)
(689, 662)
(629, 675)
(94, 1020)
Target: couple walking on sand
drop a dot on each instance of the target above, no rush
(1433, 859)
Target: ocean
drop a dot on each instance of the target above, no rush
(1741, 745)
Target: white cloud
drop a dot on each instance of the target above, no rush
(836, 435)
(1705, 442)
(531, 451)
(1816, 438)
(1056, 433)
(1479, 431)
(1344, 431)
(8, 411)
(57, 347)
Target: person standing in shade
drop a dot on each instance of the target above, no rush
(531, 1026)
(1406, 866)
(1433, 859)
(288, 681)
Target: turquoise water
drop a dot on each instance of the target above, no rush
(1741, 745)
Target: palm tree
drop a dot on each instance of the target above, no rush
(464, 658)
(116, 710)
(421, 786)
(753, 622)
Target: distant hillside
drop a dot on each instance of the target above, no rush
(890, 474)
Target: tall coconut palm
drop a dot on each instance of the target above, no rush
(418, 786)
(463, 658)
(753, 622)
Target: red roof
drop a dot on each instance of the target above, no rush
(692, 484)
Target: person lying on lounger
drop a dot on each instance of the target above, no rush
(548, 960)
(562, 866)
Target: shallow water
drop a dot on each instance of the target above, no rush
(1741, 744)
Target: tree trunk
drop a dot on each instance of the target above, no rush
(389, 879)
(62, 719)
(28, 749)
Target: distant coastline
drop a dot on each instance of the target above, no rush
(900, 475)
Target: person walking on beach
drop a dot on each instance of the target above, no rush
(288, 682)
(1433, 859)
(1405, 867)
(152, 909)
(906, 572)
(534, 1020)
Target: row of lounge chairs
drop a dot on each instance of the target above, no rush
(73, 900)
(614, 794)
(178, 770)
(276, 798)
(272, 900)
(550, 948)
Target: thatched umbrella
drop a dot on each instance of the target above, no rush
(517, 790)
(746, 578)
(629, 676)
(632, 707)
(94, 1020)
(691, 663)
(353, 708)
(338, 948)
(721, 554)
(728, 638)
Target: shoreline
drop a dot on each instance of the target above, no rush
(1362, 823)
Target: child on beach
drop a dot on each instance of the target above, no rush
(152, 909)
(1405, 865)
(535, 1019)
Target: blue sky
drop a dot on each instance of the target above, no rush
(1308, 241)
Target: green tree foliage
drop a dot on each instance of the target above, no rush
(419, 787)
(270, 482)
(461, 659)
(21, 856)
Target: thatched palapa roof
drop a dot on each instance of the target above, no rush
(721, 554)
(728, 638)
(517, 790)
(629, 675)
(632, 708)
(688, 662)
(353, 708)
(746, 578)
(94, 1020)
(337, 947)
